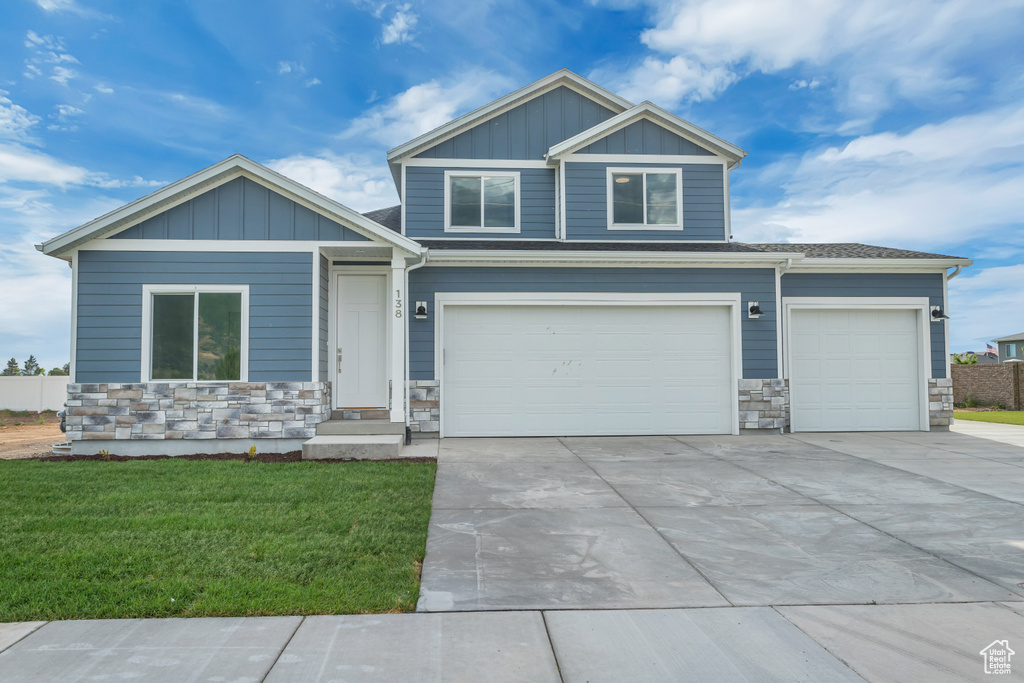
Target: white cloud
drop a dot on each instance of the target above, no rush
(802, 84)
(424, 107)
(62, 75)
(49, 51)
(670, 82)
(313, 81)
(18, 163)
(103, 89)
(877, 50)
(937, 186)
(290, 67)
(399, 29)
(361, 183)
(64, 118)
(15, 121)
(71, 7)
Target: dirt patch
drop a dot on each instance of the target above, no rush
(29, 440)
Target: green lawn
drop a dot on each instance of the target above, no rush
(1009, 417)
(162, 538)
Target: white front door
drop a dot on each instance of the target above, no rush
(361, 361)
(561, 370)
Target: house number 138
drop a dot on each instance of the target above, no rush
(398, 303)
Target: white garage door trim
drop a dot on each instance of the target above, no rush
(919, 304)
(730, 300)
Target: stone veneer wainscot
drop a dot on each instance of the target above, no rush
(196, 410)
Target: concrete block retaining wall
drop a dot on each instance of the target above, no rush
(196, 410)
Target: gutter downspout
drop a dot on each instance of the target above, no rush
(408, 321)
(783, 269)
(950, 276)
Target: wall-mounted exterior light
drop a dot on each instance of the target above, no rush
(754, 310)
(937, 314)
(421, 310)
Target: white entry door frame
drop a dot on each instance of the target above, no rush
(359, 337)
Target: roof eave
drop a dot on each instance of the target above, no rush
(477, 256)
(876, 264)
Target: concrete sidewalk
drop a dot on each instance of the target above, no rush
(938, 642)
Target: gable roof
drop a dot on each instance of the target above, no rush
(657, 115)
(1012, 337)
(213, 176)
(390, 217)
(563, 77)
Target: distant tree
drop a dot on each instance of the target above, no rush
(12, 368)
(31, 367)
(57, 372)
(965, 358)
(67, 368)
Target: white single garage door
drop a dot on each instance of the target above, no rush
(855, 370)
(551, 370)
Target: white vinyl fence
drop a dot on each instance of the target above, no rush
(33, 393)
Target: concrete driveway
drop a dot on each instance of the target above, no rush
(662, 522)
(829, 557)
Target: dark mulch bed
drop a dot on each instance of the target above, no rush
(291, 456)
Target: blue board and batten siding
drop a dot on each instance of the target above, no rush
(877, 285)
(586, 204)
(526, 131)
(240, 210)
(424, 208)
(109, 339)
(759, 341)
(644, 137)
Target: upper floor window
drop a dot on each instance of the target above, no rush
(645, 198)
(195, 333)
(1011, 350)
(481, 202)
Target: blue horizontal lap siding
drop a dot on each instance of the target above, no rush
(877, 285)
(644, 137)
(424, 204)
(586, 204)
(759, 341)
(525, 131)
(110, 308)
(240, 210)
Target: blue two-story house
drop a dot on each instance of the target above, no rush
(562, 263)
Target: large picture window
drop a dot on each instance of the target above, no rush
(645, 199)
(481, 202)
(197, 333)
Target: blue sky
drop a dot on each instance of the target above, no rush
(899, 124)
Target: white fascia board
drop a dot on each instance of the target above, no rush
(656, 115)
(825, 265)
(221, 172)
(455, 257)
(502, 104)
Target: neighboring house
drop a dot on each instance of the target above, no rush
(1011, 348)
(562, 263)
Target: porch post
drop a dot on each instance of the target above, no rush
(399, 310)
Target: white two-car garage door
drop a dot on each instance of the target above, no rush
(857, 369)
(550, 370)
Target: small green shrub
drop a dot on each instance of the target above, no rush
(971, 402)
(251, 455)
(105, 454)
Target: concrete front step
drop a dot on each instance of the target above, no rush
(353, 447)
(338, 427)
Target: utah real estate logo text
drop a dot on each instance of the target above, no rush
(997, 657)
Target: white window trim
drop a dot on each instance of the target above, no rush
(147, 328)
(449, 174)
(611, 171)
